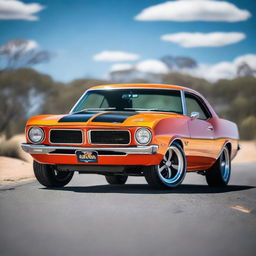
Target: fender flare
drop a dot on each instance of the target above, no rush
(227, 142)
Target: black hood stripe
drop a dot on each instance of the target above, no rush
(113, 117)
(77, 117)
(109, 117)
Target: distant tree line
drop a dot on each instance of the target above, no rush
(26, 92)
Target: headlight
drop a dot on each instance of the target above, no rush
(36, 134)
(143, 136)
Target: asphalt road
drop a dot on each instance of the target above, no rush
(91, 218)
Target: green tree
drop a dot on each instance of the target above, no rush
(22, 94)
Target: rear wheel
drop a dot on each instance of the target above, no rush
(116, 179)
(219, 174)
(48, 176)
(170, 172)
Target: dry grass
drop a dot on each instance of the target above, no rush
(15, 170)
(15, 165)
(11, 148)
(247, 154)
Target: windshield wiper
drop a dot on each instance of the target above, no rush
(94, 109)
(139, 109)
(149, 109)
(144, 109)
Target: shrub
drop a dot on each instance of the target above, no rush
(248, 128)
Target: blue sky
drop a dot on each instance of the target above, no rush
(75, 31)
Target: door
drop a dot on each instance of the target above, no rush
(199, 149)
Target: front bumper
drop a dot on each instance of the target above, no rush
(44, 149)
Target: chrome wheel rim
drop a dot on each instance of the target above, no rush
(171, 167)
(225, 164)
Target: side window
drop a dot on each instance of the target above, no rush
(195, 105)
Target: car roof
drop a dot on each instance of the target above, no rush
(159, 86)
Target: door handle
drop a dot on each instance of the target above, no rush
(210, 128)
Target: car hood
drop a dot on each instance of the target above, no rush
(112, 119)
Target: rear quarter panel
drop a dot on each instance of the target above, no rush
(226, 131)
(169, 129)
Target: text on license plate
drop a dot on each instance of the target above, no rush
(87, 156)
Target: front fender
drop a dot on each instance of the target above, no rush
(170, 129)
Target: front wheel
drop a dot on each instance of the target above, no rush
(48, 176)
(219, 174)
(170, 172)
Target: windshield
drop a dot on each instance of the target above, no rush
(131, 100)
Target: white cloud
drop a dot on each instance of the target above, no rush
(212, 73)
(17, 10)
(114, 56)
(193, 11)
(222, 70)
(149, 69)
(121, 67)
(152, 66)
(250, 59)
(215, 39)
(31, 45)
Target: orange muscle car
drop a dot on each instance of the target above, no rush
(157, 131)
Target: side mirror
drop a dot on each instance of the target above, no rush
(194, 115)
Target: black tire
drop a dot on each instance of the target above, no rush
(156, 179)
(116, 179)
(219, 174)
(49, 177)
